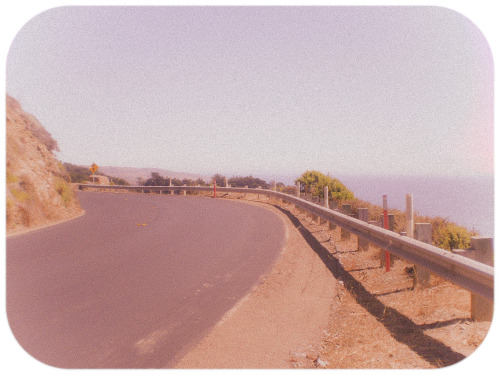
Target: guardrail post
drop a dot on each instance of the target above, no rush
(345, 234)
(170, 184)
(333, 206)
(390, 218)
(409, 216)
(481, 308)
(297, 192)
(391, 227)
(363, 215)
(326, 202)
(422, 232)
(184, 192)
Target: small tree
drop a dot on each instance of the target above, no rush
(156, 180)
(220, 180)
(250, 181)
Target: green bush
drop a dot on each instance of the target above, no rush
(449, 236)
(314, 183)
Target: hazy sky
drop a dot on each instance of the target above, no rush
(239, 90)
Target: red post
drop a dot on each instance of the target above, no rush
(386, 226)
(214, 187)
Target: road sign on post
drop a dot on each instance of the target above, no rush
(93, 168)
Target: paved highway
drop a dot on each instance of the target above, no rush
(137, 280)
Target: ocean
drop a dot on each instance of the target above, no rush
(467, 201)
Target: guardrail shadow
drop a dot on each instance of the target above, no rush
(401, 328)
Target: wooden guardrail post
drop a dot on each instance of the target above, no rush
(391, 227)
(422, 276)
(409, 216)
(326, 202)
(481, 308)
(362, 243)
(297, 192)
(333, 206)
(345, 234)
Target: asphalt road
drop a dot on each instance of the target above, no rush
(137, 280)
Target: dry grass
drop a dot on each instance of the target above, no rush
(378, 319)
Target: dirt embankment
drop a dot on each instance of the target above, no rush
(326, 304)
(38, 190)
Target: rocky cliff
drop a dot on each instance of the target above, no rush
(38, 189)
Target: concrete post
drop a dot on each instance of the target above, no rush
(422, 232)
(345, 234)
(170, 184)
(184, 191)
(363, 215)
(481, 308)
(409, 216)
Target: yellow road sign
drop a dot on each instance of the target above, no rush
(94, 168)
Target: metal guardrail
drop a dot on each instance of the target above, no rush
(469, 274)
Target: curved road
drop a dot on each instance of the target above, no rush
(137, 280)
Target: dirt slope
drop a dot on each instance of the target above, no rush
(38, 190)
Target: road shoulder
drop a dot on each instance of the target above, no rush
(281, 323)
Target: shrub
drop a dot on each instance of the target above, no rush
(314, 183)
(250, 181)
(64, 190)
(449, 236)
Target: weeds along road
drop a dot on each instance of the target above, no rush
(137, 280)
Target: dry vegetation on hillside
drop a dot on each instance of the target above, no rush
(38, 189)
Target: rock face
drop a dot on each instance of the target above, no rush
(38, 189)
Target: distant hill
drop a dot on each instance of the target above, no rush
(131, 174)
(38, 192)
